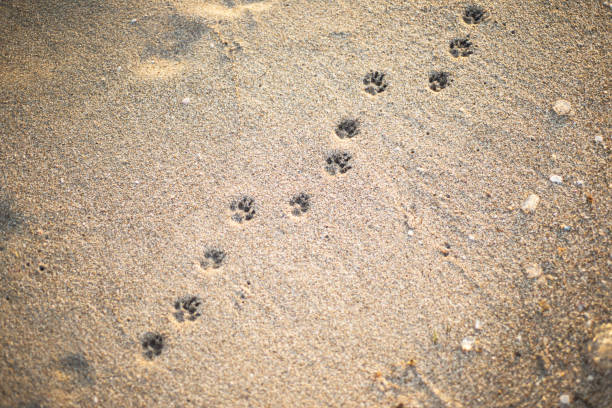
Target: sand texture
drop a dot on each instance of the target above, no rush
(291, 203)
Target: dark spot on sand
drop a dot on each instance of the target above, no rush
(8, 218)
(347, 128)
(153, 344)
(461, 47)
(78, 365)
(338, 162)
(300, 203)
(212, 258)
(474, 14)
(244, 209)
(188, 307)
(375, 82)
(439, 80)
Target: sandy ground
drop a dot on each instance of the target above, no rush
(133, 273)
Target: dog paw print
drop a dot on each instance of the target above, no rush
(152, 344)
(213, 258)
(461, 47)
(474, 14)
(375, 82)
(243, 209)
(347, 128)
(338, 162)
(300, 203)
(188, 307)
(439, 80)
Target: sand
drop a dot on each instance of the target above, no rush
(158, 251)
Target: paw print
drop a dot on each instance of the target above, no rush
(244, 209)
(474, 14)
(347, 128)
(188, 306)
(338, 162)
(213, 258)
(300, 203)
(375, 82)
(241, 295)
(461, 47)
(153, 344)
(439, 80)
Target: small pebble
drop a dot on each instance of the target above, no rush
(599, 139)
(564, 399)
(186, 101)
(467, 344)
(556, 179)
(133, 21)
(579, 183)
(478, 325)
(562, 107)
(471, 237)
(533, 271)
(531, 203)
(566, 228)
(410, 232)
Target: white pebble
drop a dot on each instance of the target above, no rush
(531, 203)
(467, 344)
(186, 101)
(533, 271)
(599, 139)
(471, 237)
(556, 179)
(562, 107)
(579, 183)
(134, 20)
(564, 399)
(410, 232)
(478, 324)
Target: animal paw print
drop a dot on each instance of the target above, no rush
(244, 209)
(474, 14)
(153, 344)
(347, 128)
(338, 162)
(241, 295)
(300, 204)
(213, 258)
(461, 47)
(439, 80)
(188, 307)
(375, 82)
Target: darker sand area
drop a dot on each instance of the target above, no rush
(235, 203)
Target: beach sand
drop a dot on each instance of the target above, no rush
(305, 204)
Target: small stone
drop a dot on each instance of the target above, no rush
(186, 101)
(579, 183)
(133, 21)
(562, 107)
(467, 344)
(531, 203)
(600, 348)
(471, 237)
(556, 179)
(533, 271)
(564, 399)
(410, 232)
(599, 139)
(478, 325)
